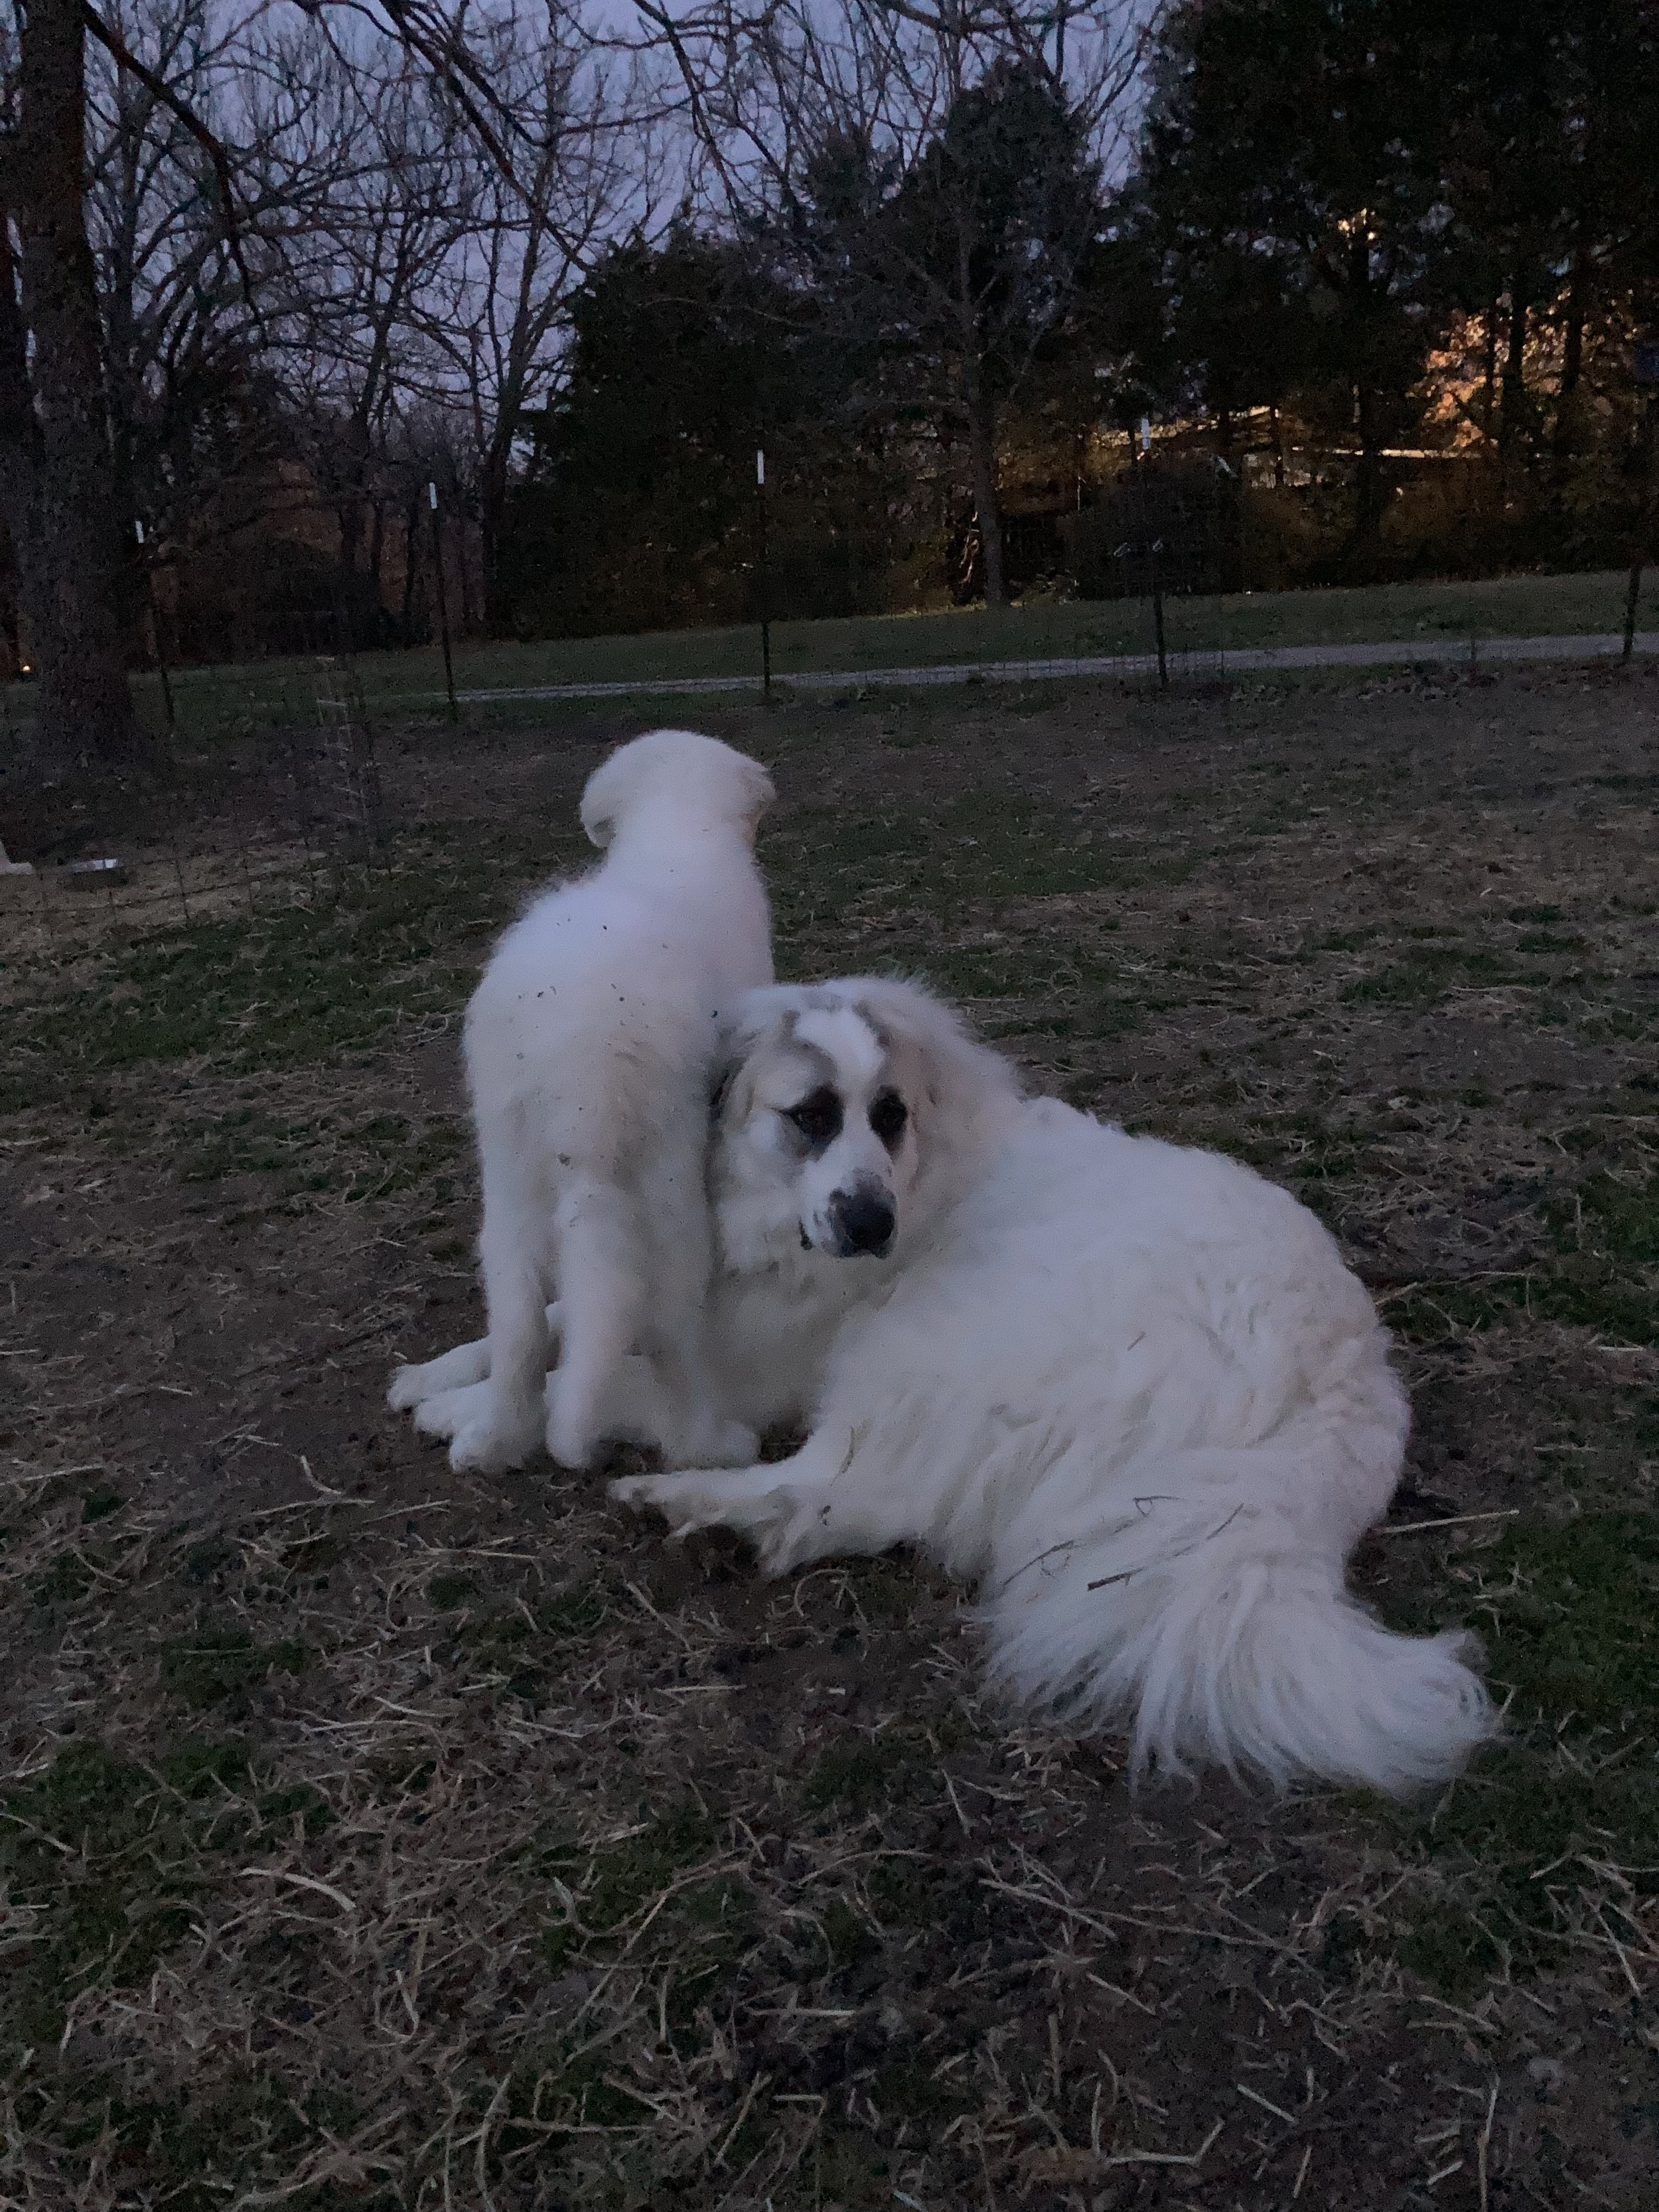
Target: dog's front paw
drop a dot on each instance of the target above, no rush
(447, 1411)
(450, 1371)
(492, 1440)
(794, 1535)
(678, 1498)
(715, 1442)
(406, 1390)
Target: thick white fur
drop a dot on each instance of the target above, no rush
(1130, 1389)
(588, 1044)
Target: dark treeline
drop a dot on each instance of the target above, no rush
(1372, 271)
(1387, 261)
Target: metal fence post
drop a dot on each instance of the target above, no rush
(155, 628)
(443, 598)
(1646, 367)
(763, 579)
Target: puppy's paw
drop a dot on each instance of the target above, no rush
(793, 1535)
(450, 1371)
(405, 1390)
(715, 1442)
(447, 1412)
(752, 1501)
(678, 1498)
(570, 1443)
(492, 1440)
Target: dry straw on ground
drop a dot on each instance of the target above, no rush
(376, 1837)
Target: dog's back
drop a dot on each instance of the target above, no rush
(587, 1046)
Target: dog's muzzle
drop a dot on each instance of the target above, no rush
(862, 1222)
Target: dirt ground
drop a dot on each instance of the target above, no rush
(374, 1837)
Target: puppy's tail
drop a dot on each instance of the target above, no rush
(1225, 1634)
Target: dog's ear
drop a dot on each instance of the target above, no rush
(759, 790)
(608, 791)
(955, 1075)
(759, 1017)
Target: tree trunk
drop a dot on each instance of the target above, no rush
(1368, 516)
(84, 707)
(1515, 364)
(20, 439)
(982, 452)
(1572, 356)
(492, 515)
(411, 555)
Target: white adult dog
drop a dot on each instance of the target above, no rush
(588, 1044)
(1129, 1388)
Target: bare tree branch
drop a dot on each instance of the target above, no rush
(184, 113)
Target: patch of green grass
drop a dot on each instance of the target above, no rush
(217, 1663)
(1428, 972)
(201, 1767)
(848, 1935)
(67, 1578)
(1603, 1275)
(1571, 1620)
(909, 2089)
(274, 990)
(1575, 1614)
(571, 1613)
(104, 1858)
(631, 1872)
(976, 846)
(855, 1774)
(1450, 1949)
(845, 2168)
(194, 2147)
(710, 1927)
(557, 2086)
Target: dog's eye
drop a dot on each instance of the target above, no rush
(818, 1117)
(888, 1116)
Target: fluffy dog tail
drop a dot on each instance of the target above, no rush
(1226, 1634)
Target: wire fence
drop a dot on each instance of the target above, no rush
(299, 819)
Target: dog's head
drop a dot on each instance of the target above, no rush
(686, 778)
(844, 1113)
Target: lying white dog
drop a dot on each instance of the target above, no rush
(1131, 1388)
(588, 1044)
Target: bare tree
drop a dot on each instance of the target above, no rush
(379, 272)
(56, 476)
(582, 162)
(935, 168)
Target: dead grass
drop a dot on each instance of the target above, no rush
(375, 1837)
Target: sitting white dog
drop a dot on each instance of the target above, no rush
(588, 1044)
(1130, 1389)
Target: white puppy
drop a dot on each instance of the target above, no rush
(1130, 1389)
(588, 1044)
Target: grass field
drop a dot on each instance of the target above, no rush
(209, 700)
(378, 1837)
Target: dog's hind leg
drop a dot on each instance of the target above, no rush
(602, 1291)
(507, 1427)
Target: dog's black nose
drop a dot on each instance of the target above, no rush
(863, 1222)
